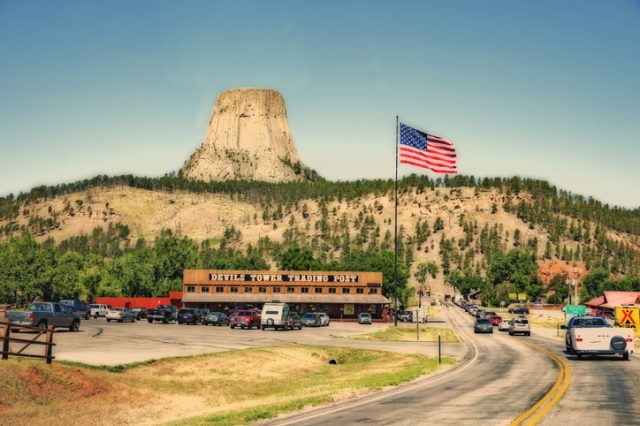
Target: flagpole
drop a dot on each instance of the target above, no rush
(395, 238)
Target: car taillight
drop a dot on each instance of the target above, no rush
(31, 316)
(579, 339)
(629, 339)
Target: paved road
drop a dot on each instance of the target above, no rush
(102, 343)
(501, 380)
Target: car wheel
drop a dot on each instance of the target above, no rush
(165, 321)
(232, 327)
(579, 356)
(150, 321)
(75, 326)
(87, 315)
(625, 356)
(95, 316)
(250, 326)
(510, 333)
(108, 320)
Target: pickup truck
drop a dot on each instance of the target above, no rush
(43, 314)
(164, 313)
(77, 306)
(594, 336)
(245, 319)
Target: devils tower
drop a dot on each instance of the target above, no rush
(248, 138)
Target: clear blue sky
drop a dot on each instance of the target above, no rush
(538, 89)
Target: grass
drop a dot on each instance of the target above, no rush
(407, 333)
(226, 388)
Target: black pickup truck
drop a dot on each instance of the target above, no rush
(164, 313)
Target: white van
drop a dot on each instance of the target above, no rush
(277, 316)
(99, 310)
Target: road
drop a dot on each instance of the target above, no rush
(501, 380)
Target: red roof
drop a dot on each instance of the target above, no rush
(611, 299)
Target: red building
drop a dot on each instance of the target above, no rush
(175, 298)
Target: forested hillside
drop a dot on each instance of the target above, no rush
(133, 236)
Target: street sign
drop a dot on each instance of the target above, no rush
(576, 310)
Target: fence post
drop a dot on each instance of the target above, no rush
(5, 342)
(49, 345)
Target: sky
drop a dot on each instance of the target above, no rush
(548, 90)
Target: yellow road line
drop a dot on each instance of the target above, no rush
(534, 414)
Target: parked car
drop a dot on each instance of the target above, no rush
(245, 319)
(311, 319)
(504, 325)
(520, 326)
(141, 313)
(594, 336)
(188, 316)
(216, 318)
(296, 321)
(482, 325)
(164, 313)
(537, 304)
(275, 315)
(44, 314)
(77, 306)
(520, 310)
(364, 318)
(325, 318)
(406, 316)
(99, 310)
(120, 315)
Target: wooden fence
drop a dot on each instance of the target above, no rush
(17, 346)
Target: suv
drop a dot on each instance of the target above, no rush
(164, 313)
(520, 325)
(189, 316)
(520, 310)
(325, 318)
(99, 310)
(245, 319)
(77, 306)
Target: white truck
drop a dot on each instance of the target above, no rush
(594, 336)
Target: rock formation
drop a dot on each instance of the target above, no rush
(248, 139)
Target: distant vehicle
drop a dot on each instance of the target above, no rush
(520, 310)
(311, 319)
(120, 315)
(164, 313)
(537, 304)
(77, 306)
(216, 318)
(480, 313)
(44, 314)
(482, 325)
(99, 310)
(594, 336)
(275, 315)
(296, 322)
(141, 313)
(188, 316)
(520, 326)
(365, 318)
(406, 316)
(495, 319)
(245, 319)
(504, 325)
(325, 318)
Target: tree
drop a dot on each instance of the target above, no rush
(297, 259)
(423, 269)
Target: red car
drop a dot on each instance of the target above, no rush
(495, 319)
(245, 319)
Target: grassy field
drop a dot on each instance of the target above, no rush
(407, 333)
(228, 388)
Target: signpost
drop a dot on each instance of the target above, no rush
(576, 310)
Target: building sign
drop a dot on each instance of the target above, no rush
(300, 278)
(349, 309)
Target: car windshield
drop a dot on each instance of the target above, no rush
(186, 311)
(483, 321)
(309, 316)
(365, 315)
(245, 313)
(522, 322)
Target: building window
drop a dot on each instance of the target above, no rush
(291, 290)
(248, 289)
(360, 290)
(304, 290)
(345, 290)
(191, 289)
(233, 289)
(276, 289)
(332, 290)
(205, 289)
(262, 289)
(373, 291)
(318, 290)
(219, 289)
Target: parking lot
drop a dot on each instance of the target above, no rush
(110, 343)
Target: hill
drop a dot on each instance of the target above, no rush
(457, 224)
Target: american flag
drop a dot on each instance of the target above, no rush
(427, 151)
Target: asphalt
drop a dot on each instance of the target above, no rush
(499, 380)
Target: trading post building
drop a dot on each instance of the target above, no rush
(339, 294)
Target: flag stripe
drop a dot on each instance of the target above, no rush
(437, 170)
(428, 161)
(408, 151)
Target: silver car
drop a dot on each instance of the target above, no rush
(364, 318)
(120, 315)
(520, 326)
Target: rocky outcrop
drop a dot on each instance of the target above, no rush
(248, 139)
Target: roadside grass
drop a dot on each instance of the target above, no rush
(407, 333)
(226, 388)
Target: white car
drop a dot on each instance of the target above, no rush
(504, 325)
(324, 319)
(120, 315)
